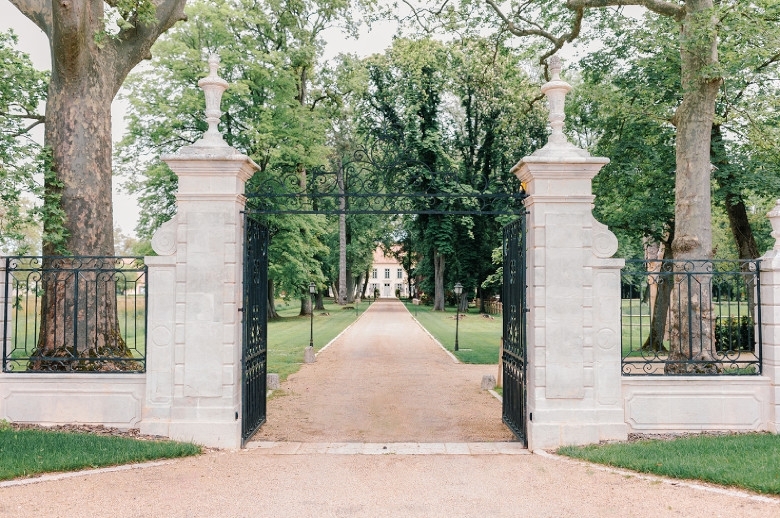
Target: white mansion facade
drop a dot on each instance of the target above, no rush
(388, 278)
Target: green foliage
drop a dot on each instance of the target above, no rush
(22, 92)
(463, 109)
(275, 112)
(624, 109)
(748, 461)
(55, 236)
(30, 452)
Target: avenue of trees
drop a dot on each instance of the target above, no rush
(682, 96)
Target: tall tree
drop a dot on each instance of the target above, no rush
(698, 26)
(94, 45)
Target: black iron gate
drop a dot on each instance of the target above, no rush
(514, 316)
(368, 182)
(254, 354)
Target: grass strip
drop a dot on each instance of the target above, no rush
(288, 335)
(479, 337)
(29, 452)
(747, 461)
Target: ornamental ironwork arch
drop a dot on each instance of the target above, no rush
(368, 182)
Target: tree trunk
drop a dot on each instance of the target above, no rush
(319, 301)
(733, 201)
(463, 303)
(350, 288)
(271, 311)
(79, 307)
(86, 75)
(661, 283)
(691, 314)
(438, 275)
(364, 289)
(358, 288)
(306, 306)
(747, 248)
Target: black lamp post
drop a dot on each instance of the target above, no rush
(458, 291)
(312, 292)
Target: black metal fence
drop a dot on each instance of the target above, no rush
(74, 314)
(691, 317)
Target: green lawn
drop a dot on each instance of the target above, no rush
(29, 452)
(479, 338)
(288, 336)
(748, 461)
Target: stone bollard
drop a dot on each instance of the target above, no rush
(488, 382)
(308, 355)
(272, 381)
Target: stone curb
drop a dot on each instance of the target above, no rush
(389, 448)
(83, 473)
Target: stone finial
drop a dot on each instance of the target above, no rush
(774, 220)
(556, 90)
(213, 86)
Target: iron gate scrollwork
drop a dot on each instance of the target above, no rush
(254, 355)
(514, 319)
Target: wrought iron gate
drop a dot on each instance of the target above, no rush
(514, 317)
(254, 354)
(378, 181)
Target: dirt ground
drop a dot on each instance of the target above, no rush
(385, 380)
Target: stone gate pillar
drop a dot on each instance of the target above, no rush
(770, 317)
(573, 377)
(194, 325)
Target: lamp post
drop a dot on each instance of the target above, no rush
(312, 292)
(308, 353)
(458, 291)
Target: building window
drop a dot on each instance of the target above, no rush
(373, 274)
(387, 273)
(400, 273)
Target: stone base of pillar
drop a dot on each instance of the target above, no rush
(214, 434)
(547, 434)
(308, 355)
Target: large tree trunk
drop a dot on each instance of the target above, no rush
(319, 301)
(306, 306)
(691, 314)
(438, 276)
(463, 303)
(85, 76)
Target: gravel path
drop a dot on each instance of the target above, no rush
(385, 380)
(388, 386)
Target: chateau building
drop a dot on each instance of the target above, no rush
(388, 278)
